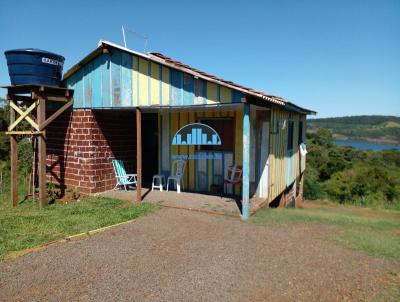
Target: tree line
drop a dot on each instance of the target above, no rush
(349, 175)
(361, 127)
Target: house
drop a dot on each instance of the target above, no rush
(119, 93)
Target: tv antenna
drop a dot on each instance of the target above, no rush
(137, 34)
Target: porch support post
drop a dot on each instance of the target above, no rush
(41, 117)
(13, 162)
(138, 156)
(246, 162)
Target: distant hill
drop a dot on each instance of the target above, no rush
(374, 128)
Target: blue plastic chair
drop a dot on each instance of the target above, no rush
(123, 179)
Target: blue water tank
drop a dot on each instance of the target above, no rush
(34, 66)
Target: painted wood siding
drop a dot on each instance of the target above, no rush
(283, 167)
(120, 80)
(199, 174)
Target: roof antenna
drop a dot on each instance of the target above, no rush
(136, 33)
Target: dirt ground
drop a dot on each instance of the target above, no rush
(180, 255)
(194, 201)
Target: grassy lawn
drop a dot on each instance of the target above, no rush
(28, 226)
(373, 232)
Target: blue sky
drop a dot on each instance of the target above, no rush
(336, 57)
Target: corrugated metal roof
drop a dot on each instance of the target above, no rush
(164, 60)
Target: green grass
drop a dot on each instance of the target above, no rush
(392, 294)
(27, 226)
(373, 232)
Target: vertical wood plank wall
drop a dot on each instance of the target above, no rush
(122, 80)
(171, 122)
(119, 80)
(278, 158)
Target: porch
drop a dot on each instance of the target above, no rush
(225, 205)
(243, 134)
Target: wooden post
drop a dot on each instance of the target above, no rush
(246, 162)
(138, 155)
(300, 196)
(41, 117)
(14, 162)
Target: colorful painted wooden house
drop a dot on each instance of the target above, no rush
(117, 91)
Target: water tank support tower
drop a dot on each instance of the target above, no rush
(30, 102)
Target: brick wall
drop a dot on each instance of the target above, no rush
(81, 145)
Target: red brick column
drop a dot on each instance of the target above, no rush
(82, 143)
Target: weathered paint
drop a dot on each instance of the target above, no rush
(246, 162)
(105, 82)
(262, 160)
(191, 163)
(143, 82)
(135, 81)
(238, 141)
(200, 92)
(212, 93)
(155, 84)
(165, 86)
(176, 87)
(165, 143)
(284, 166)
(225, 95)
(116, 61)
(119, 79)
(97, 82)
(126, 80)
(199, 174)
(188, 89)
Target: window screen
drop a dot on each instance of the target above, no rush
(290, 135)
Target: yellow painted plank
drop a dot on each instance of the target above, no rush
(174, 128)
(192, 166)
(225, 94)
(135, 75)
(238, 141)
(165, 85)
(212, 93)
(155, 83)
(143, 82)
(238, 137)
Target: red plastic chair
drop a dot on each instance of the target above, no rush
(234, 177)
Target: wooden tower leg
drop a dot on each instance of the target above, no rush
(138, 155)
(14, 169)
(14, 163)
(41, 117)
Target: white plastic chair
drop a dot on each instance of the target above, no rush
(178, 171)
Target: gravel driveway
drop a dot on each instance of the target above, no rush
(178, 255)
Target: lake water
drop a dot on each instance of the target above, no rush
(366, 145)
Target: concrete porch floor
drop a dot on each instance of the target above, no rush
(226, 205)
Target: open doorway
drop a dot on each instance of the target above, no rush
(149, 147)
(262, 154)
